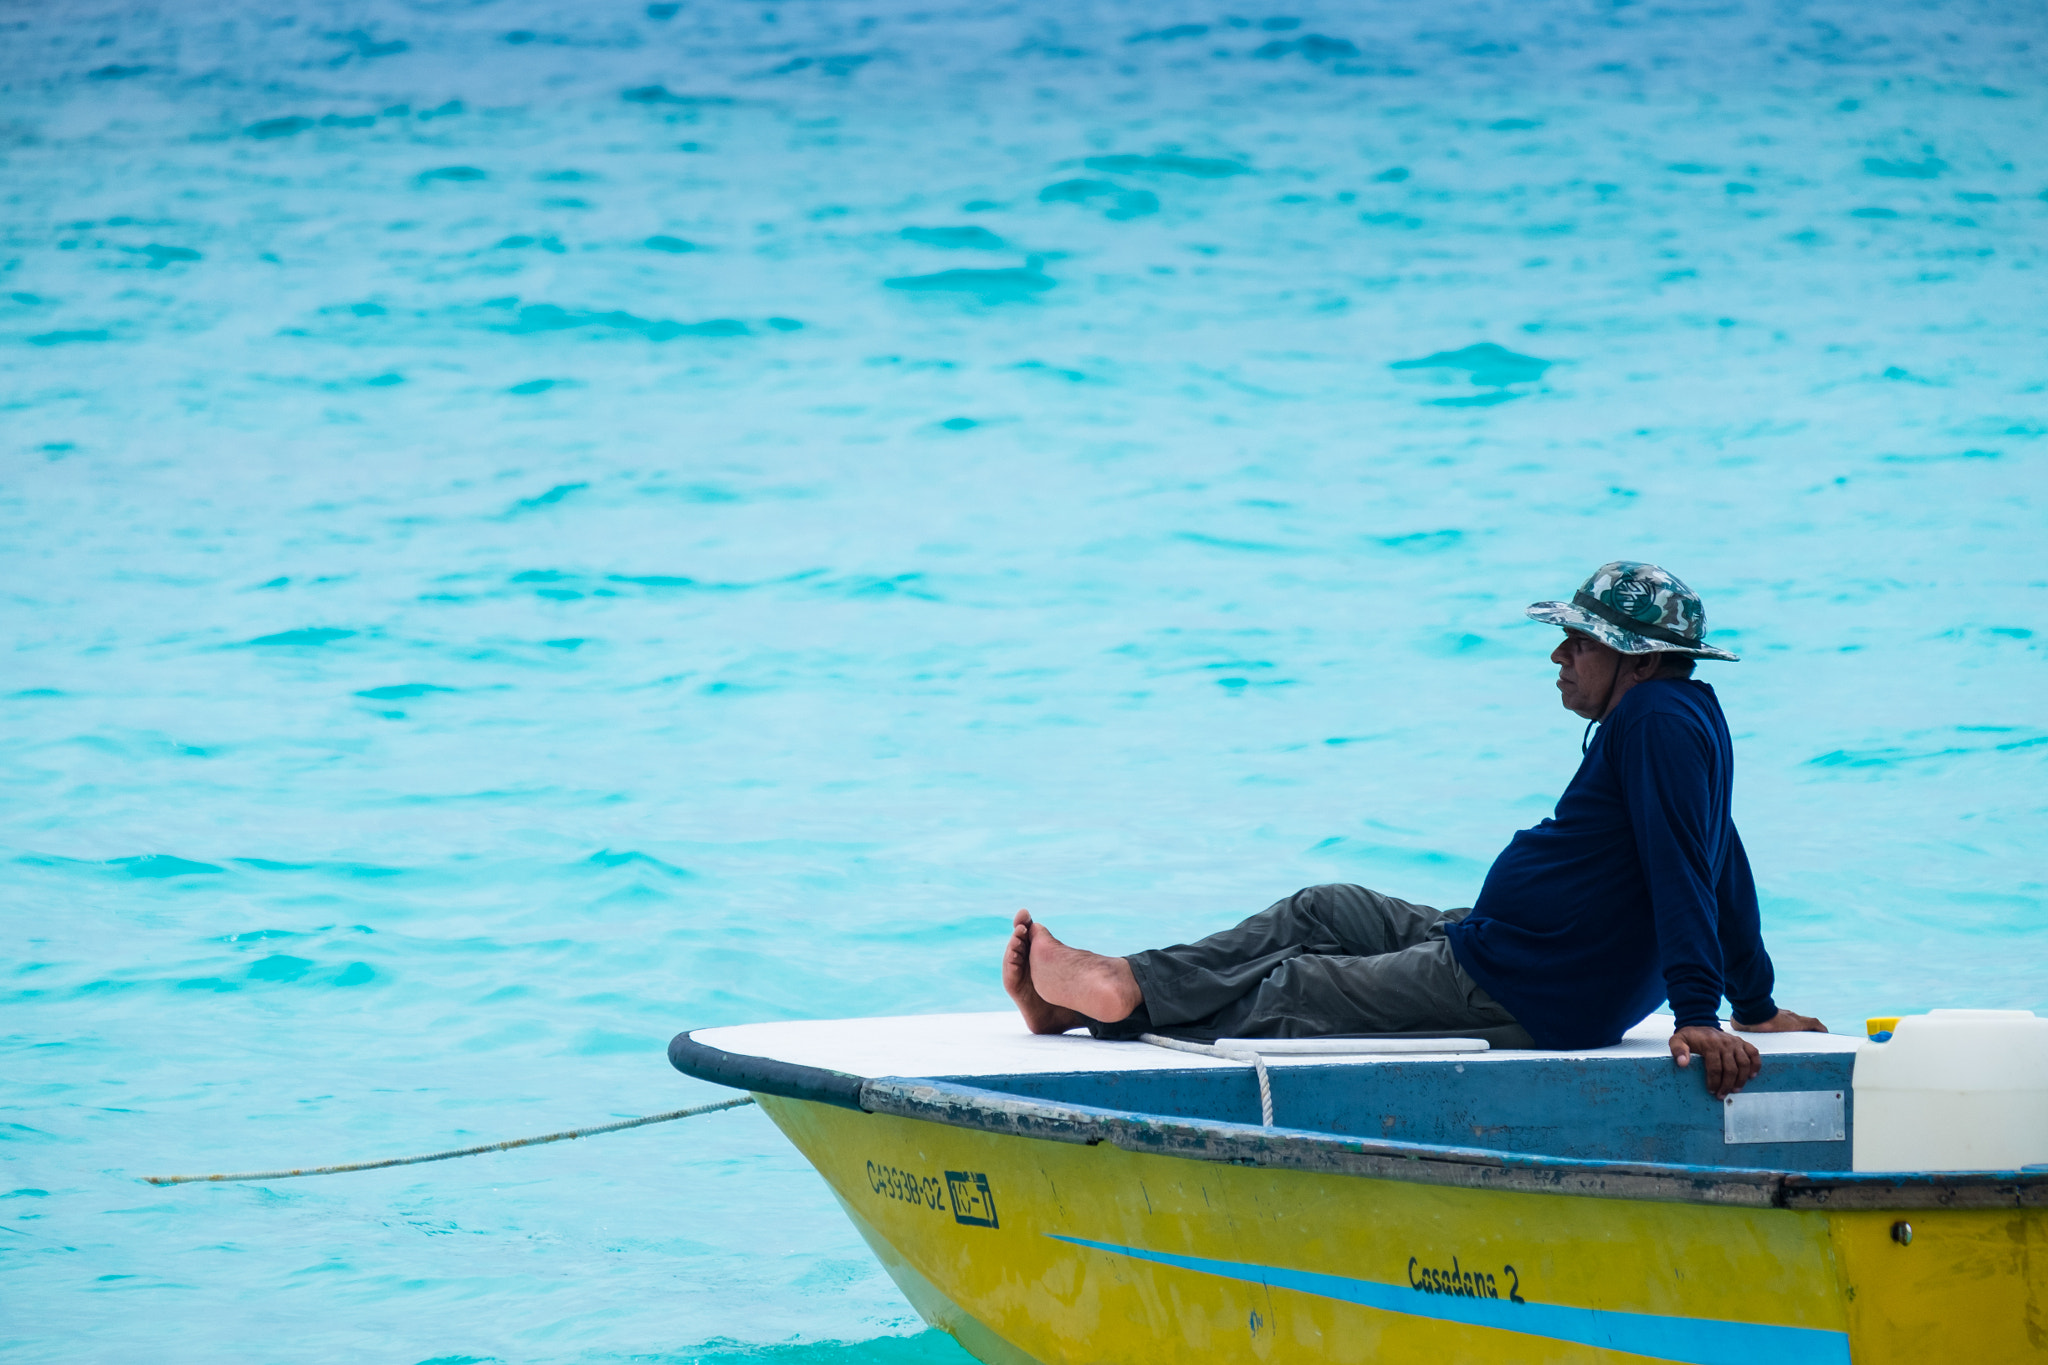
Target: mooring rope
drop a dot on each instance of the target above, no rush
(1229, 1054)
(460, 1151)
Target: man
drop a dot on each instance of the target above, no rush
(1635, 892)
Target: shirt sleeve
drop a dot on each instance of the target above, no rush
(1747, 975)
(1665, 767)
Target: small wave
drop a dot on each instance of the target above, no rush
(865, 585)
(661, 94)
(548, 317)
(955, 238)
(547, 499)
(160, 256)
(1200, 167)
(1929, 169)
(1464, 645)
(336, 869)
(1315, 47)
(1477, 400)
(365, 45)
(1118, 202)
(163, 865)
(1421, 542)
(287, 126)
(1220, 543)
(839, 64)
(307, 638)
(1487, 363)
(1899, 755)
(1358, 850)
(990, 286)
(605, 857)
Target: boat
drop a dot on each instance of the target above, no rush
(1059, 1200)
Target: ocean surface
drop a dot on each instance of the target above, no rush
(529, 527)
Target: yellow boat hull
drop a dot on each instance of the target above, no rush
(1032, 1251)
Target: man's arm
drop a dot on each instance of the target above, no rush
(1666, 770)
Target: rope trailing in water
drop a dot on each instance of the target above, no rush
(460, 1151)
(1229, 1054)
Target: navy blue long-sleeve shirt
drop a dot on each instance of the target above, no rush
(1635, 892)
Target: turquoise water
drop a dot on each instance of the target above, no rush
(536, 527)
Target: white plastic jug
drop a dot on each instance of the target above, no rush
(1954, 1090)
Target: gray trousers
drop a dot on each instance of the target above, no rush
(1328, 960)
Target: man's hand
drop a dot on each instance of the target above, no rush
(1731, 1062)
(1785, 1021)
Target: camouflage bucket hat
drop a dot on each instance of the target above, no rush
(1637, 609)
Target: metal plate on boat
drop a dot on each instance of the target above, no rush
(1787, 1116)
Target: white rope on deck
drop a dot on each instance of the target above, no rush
(460, 1151)
(1228, 1054)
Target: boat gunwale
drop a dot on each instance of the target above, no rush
(958, 1105)
(763, 1075)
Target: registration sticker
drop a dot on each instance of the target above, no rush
(973, 1204)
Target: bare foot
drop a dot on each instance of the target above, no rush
(1039, 1016)
(1096, 986)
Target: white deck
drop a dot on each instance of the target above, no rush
(997, 1044)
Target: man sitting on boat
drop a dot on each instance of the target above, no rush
(1636, 891)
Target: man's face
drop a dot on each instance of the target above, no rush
(1585, 673)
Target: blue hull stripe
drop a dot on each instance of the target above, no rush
(1694, 1341)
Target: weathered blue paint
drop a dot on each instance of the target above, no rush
(1596, 1108)
(1693, 1341)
